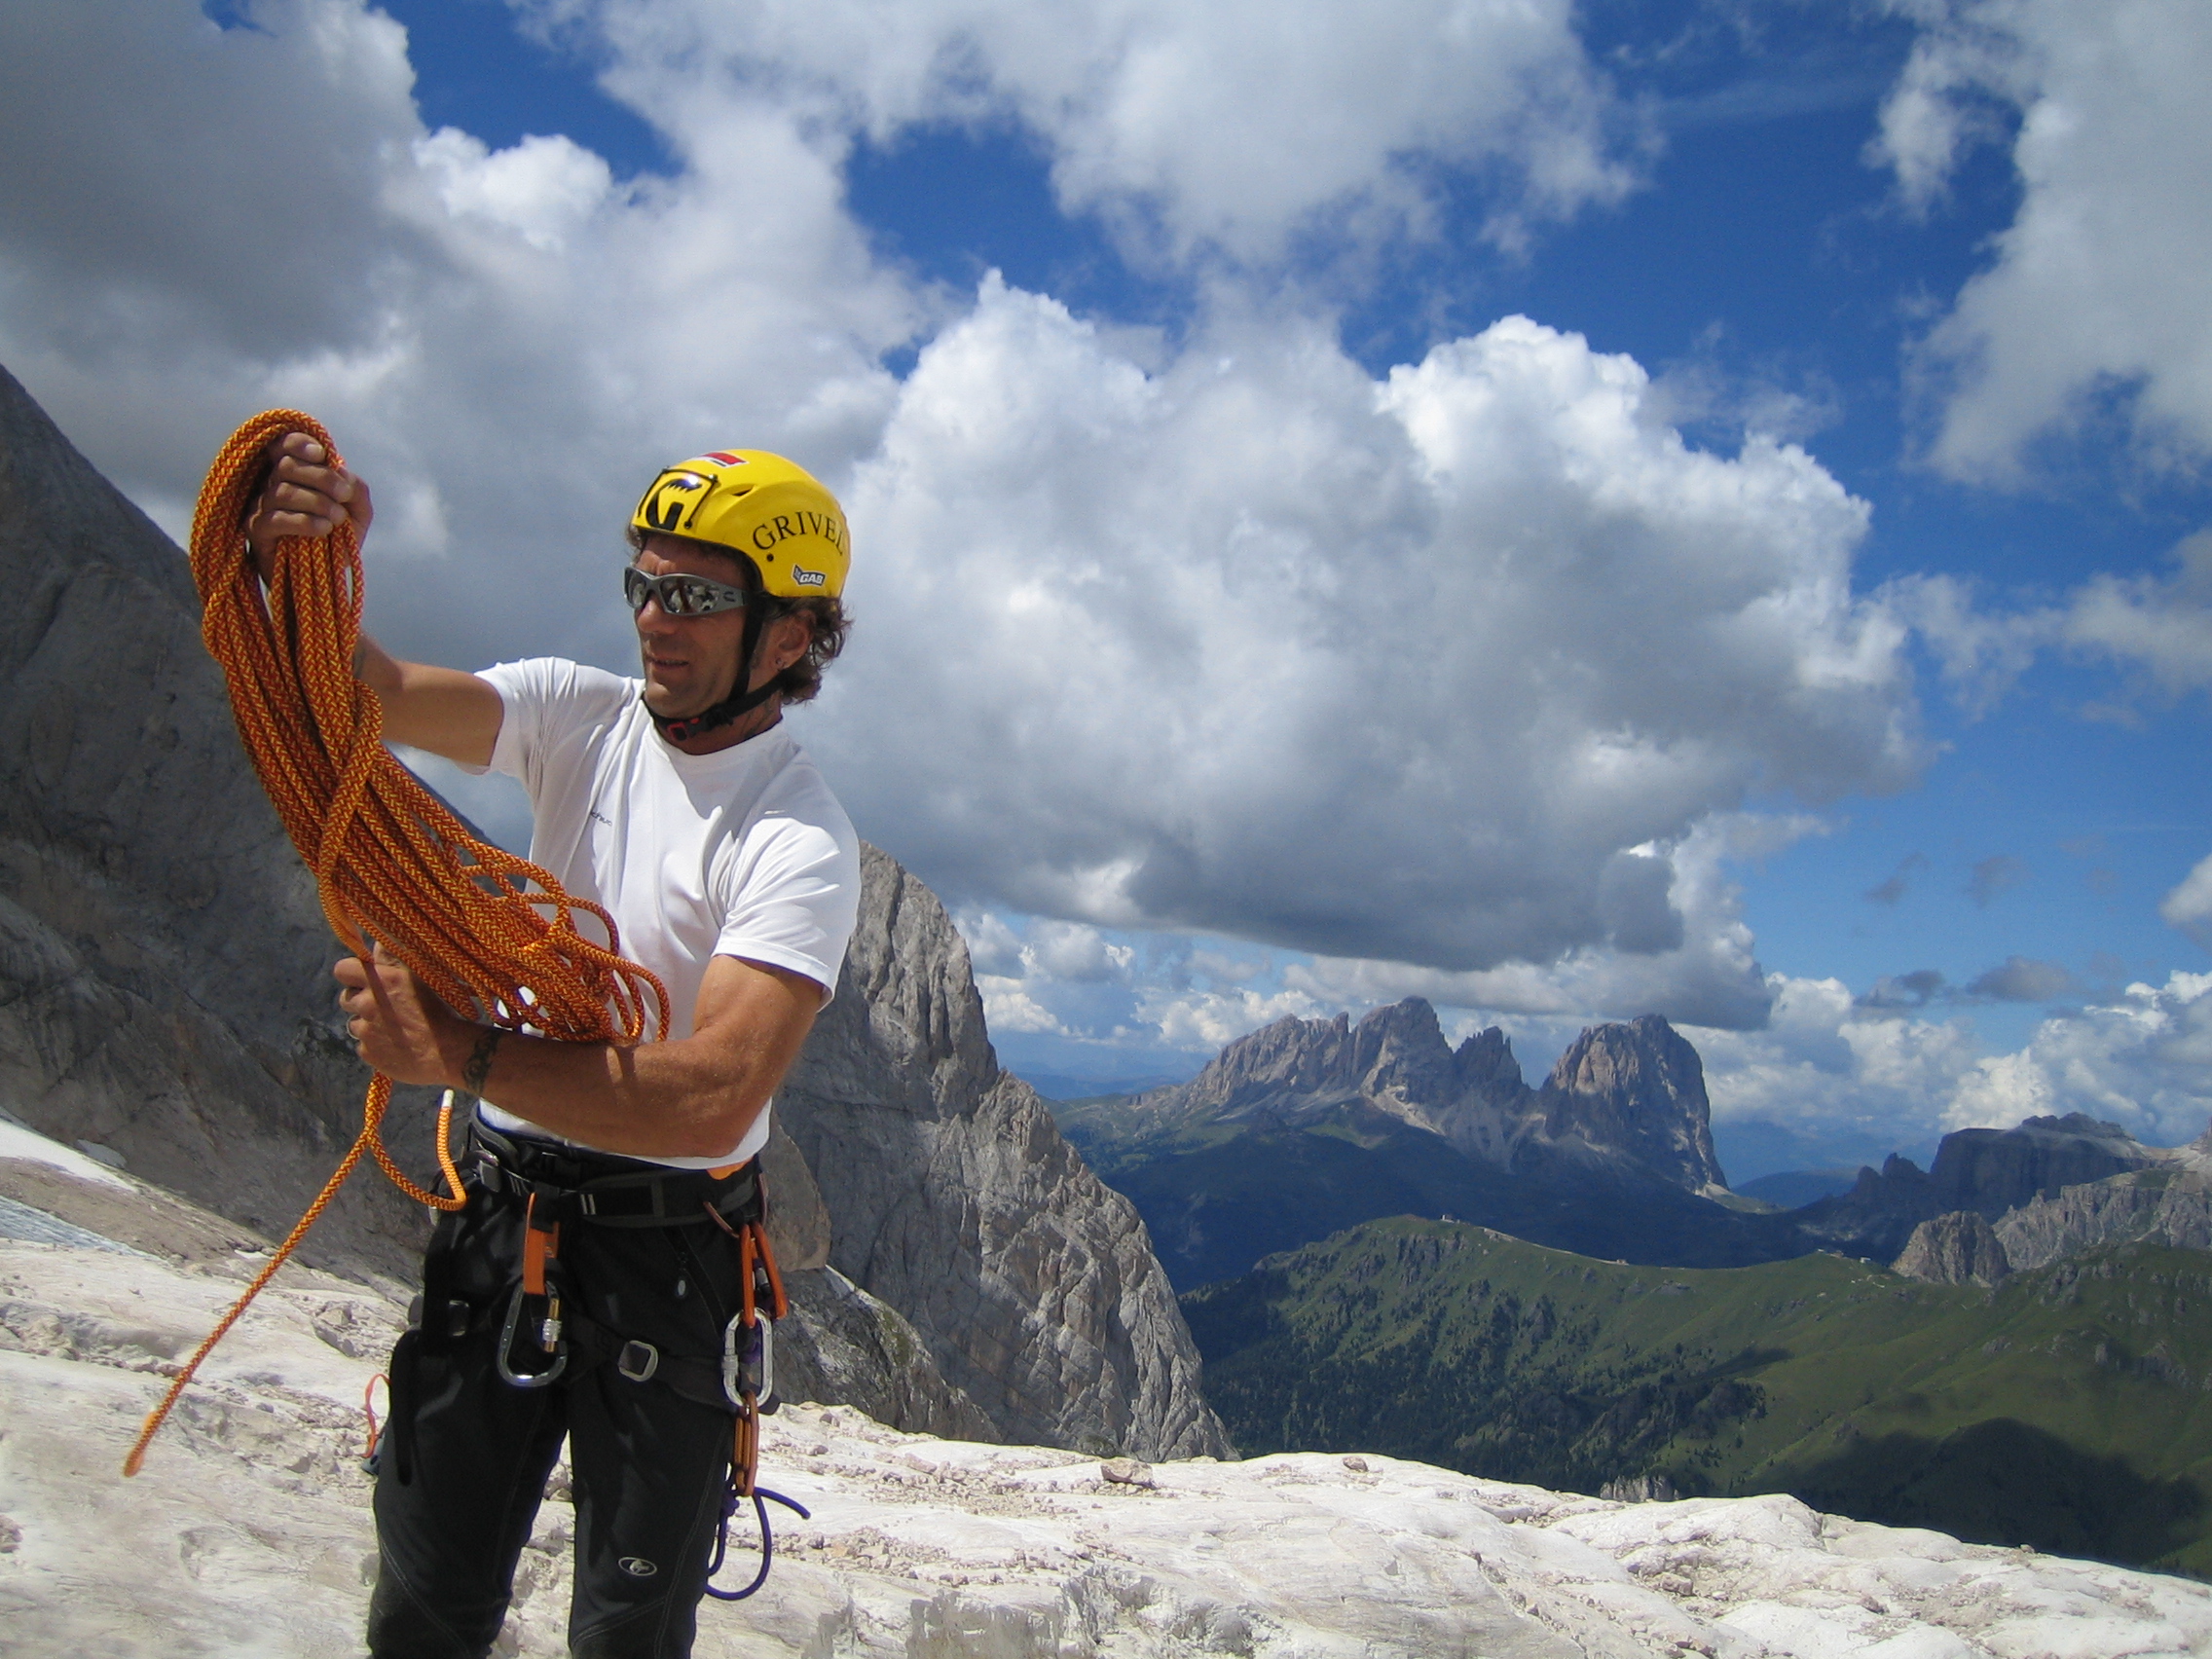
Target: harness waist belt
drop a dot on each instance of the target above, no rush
(573, 1183)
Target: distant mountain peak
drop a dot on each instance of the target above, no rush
(1626, 1098)
(1635, 1091)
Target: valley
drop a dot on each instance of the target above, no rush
(2068, 1409)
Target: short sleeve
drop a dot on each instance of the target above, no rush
(536, 696)
(796, 892)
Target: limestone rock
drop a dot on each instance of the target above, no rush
(953, 1197)
(1989, 1171)
(164, 969)
(1628, 1100)
(2160, 1205)
(1634, 1094)
(250, 1534)
(844, 1346)
(1958, 1248)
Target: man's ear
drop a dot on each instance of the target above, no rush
(794, 633)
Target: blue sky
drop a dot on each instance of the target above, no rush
(1780, 628)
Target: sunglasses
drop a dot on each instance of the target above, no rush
(680, 596)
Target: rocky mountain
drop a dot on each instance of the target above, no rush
(165, 999)
(1960, 1405)
(1307, 1126)
(1988, 1171)
(247, 1534)
(1628, 1099)
(1958, 1248)
(2169, 1203)
(954, 1197)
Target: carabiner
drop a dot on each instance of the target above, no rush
(753, 1363)
(528, 1379)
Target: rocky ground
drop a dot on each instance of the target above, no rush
(248, 1535)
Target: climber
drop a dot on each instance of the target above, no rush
(587, 1289)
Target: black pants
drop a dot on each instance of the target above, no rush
(650, 1465)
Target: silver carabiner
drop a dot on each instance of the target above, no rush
(507, 1373)
(737, 1360)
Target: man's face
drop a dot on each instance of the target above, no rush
(691, 662)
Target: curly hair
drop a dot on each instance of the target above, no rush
(803, 678)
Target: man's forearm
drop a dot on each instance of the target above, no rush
(444, 710)
(675, 1099)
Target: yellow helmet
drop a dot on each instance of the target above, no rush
(758, 505)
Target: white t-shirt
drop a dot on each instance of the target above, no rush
(742, 853)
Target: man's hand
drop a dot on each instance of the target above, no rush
(397, 1026)
(305, 495)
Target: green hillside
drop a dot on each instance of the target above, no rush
(2068, 1409)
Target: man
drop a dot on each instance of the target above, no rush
(680, 805)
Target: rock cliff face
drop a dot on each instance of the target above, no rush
(165, 983)
(1959, 1248)
(953, 1197)
(164, 995)
(1988, 1171)
(2168, 1203)
(1628, 1099)
(1635, 1095)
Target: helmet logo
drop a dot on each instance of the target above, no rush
(805, 578)
(725, 458)
(664, 505)
(768, 532)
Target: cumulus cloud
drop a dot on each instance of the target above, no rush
(2092, 305)
(1227, 127)
(1246, 642)
(2140, 1061)
(1827, 1062)
(1710, 976)
(504, 342)
(1468, 666)
(2155, 629)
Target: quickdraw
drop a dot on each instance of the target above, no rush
(748, 1380)
(540, 1250)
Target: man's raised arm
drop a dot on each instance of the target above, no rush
(443, 710)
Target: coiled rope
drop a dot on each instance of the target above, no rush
(491, 935)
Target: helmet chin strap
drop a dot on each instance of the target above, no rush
(738, 703)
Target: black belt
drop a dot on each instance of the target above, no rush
(573, 1183)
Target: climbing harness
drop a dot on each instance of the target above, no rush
(543, 1336)
(393, 866)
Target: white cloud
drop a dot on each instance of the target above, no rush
(1462, 668)
(1229, 126)
(1009, 1007)
(1075, 952)
(1707, 976)
(1826, 1063)
(504, 342)
(1201, 1019)
(2155, 629)
(2093, 303)
(2144, 1062)
(2188, 906)
(1251, 643)
(993, 947)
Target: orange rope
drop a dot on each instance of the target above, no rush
(489, 934)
